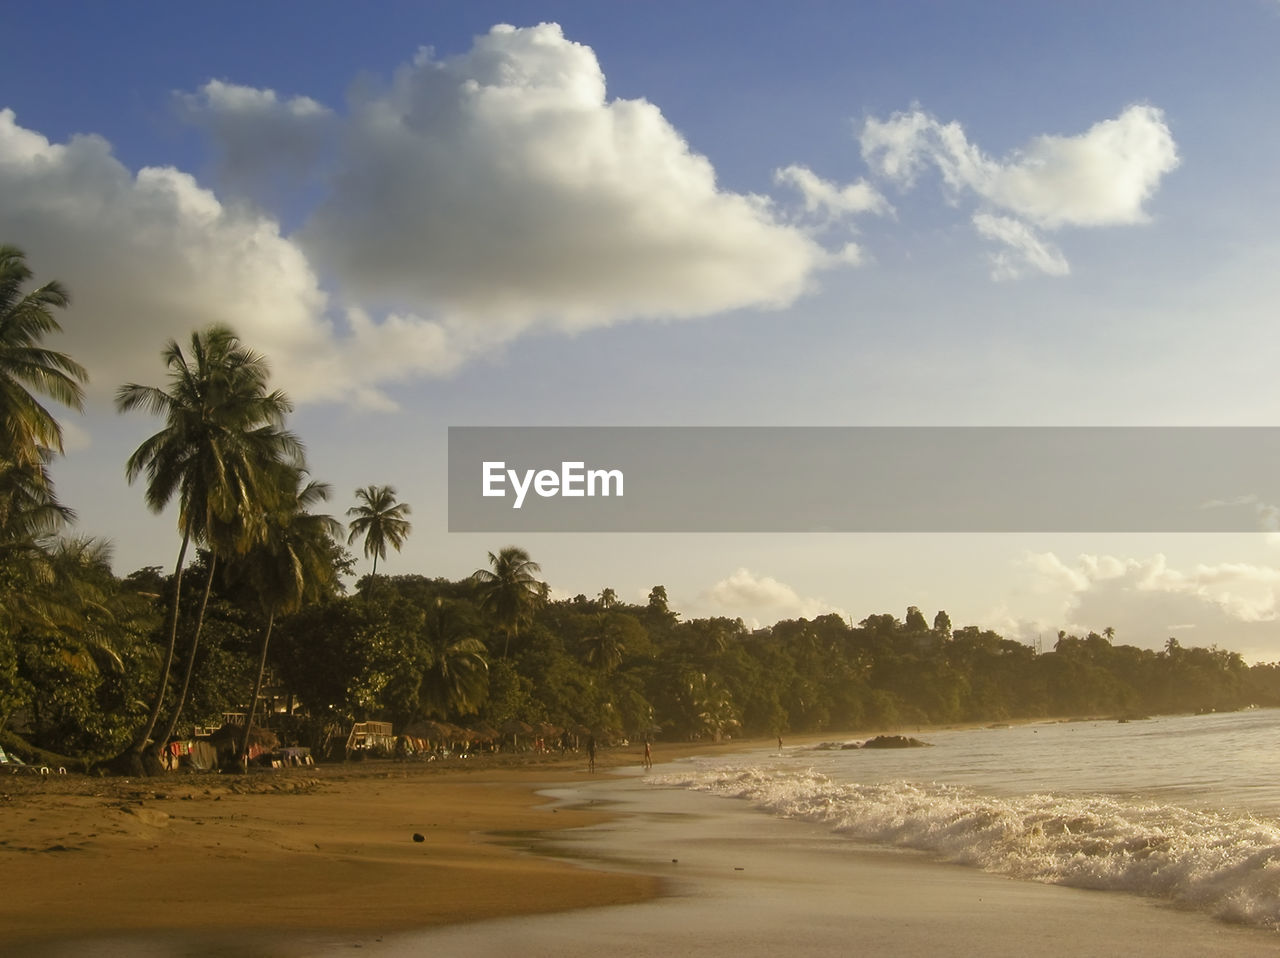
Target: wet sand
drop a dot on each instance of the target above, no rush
(742, 884)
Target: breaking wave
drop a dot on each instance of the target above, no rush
(1222, 863)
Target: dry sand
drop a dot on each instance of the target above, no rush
(298, 851)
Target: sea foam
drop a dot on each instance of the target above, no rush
(1223, 863)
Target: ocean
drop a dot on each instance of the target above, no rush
(1183, 809)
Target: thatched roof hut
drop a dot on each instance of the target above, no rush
(514, 729)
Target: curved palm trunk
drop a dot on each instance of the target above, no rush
(257, 687)
(134, 753)
(191, 653)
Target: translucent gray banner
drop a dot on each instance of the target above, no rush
(863, 479)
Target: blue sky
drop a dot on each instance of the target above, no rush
(828, 214)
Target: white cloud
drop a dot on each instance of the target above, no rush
(151, 256)
(1102, 177)
(1233, 605)
(763, 600)
(1024, 248)
(475, 198)
(827, 199)
(257, 132)
(501, 188)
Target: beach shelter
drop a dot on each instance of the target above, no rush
(514, 728)
(227, 740)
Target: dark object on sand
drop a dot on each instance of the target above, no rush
(894, 741)
(419, 837)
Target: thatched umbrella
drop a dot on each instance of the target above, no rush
(431, 731)
(515, 728)
(484, 732)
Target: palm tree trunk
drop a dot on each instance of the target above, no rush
(134, 752)
(368, 591)
(191, 653)
(257, 686)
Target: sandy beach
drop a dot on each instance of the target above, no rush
(199, 861)
(524, 856)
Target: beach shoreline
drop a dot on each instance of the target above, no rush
(520, 850)
(742, 884)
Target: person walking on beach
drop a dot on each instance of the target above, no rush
(591, 754)
(648, 756)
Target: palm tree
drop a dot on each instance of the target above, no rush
(293, 561)
(510, 591)
(603, 648)
(71, 605)
(223, 431)
(27, 427)
(1110, 633)
(30, 436)
(381, 521)
(456, 675)
(29, 517)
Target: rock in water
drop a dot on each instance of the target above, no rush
(894, 741)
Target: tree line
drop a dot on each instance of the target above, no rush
(254, 618)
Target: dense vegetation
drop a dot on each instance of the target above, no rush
(102, 668)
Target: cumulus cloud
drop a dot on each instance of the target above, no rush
(470, 200)
(149, 256)
(1102, 177)
(502, 187)
(1232, 605)
(761, 599)
(152, 256)
(258, 134)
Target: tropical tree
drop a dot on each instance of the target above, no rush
(603, 647)
(29, 517)
(76, 656)
(455, 677)
(291, 563)
(30, 436)
(27, 428)
(510, 590)
(381, 521)
(223, 437)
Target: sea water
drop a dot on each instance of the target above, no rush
(1186, 809)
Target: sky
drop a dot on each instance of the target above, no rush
(583, 214)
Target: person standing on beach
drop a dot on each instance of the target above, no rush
(591, 753)
(648, 756)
